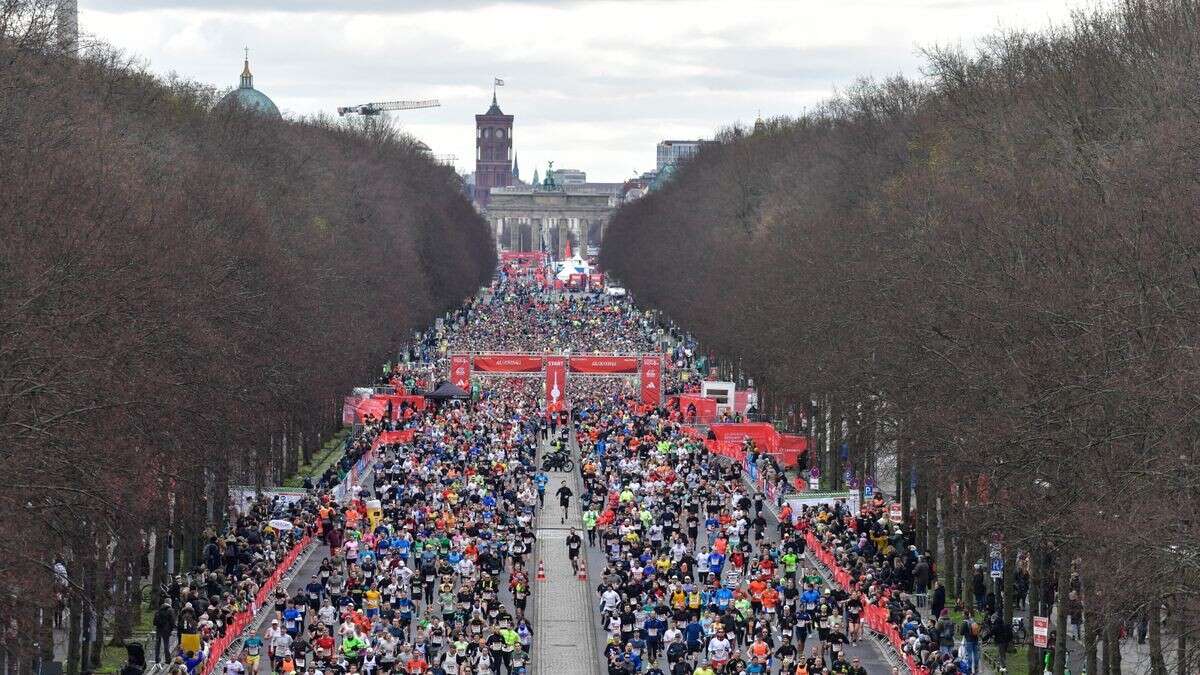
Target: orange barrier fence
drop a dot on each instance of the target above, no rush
(216, 648)
(875, 616)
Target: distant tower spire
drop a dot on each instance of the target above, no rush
(516, 168)
(247, 78)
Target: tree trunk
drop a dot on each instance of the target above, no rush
(1010, 573)
(1112, 646)
(94, 578)
(1158, 665)
(46, 629)
(951, 557)
(932, 524)
(1060, 622)
(73, 630)
(921, 515)
(1089, 640)
(122, 613)
(1105, 661)
(158, 569)
(1181, 655)
(1035, 603)
(836, 438)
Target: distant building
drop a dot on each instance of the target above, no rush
(493, 153)
(568, 176)
(246, 96)
(544, 217)
(676, 152)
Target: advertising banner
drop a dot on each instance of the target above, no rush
(651, 380)
(604, 364)
(389, 437)
(705, 409)
(765, 437)
(508, 363)
(460, 371)
(556, 384)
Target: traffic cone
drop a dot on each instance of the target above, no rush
(541, 571)
(582, 569)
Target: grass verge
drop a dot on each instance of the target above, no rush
(322, 459)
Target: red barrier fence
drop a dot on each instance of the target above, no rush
(876, 616)
(216, 648)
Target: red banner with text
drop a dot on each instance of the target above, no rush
(389, 437)
(508, 364)
(556, 384)
(764, 435)
(460, 371)
(604, 364)
(651, 380)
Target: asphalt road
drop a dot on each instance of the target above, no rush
(867, 650)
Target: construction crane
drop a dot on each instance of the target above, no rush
(371, 109)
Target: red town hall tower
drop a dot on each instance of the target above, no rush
(493, 152)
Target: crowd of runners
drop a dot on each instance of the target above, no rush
(428, 568)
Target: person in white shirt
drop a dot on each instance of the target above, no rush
(610, 601)
(269, 638)
(719, 649)
(281, 645)
(671, 636)
(327, 614)
(234, 667)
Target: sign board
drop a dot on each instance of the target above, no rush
(814, 483)
(869, 491)
(815, 498)
(997, 568)
(1041, 631)
(895, 514)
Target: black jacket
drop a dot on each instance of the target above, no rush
(164, 621)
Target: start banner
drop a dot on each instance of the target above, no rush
(652, 380)
(460, 371)
(604, 364)
(556, 384)
(508, 364)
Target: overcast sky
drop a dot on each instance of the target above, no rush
(593, 85)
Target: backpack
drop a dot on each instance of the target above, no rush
(976, 629)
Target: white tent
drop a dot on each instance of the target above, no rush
(574, 265)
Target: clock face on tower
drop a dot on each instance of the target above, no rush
(499, 133)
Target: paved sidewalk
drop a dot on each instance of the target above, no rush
(563, 619)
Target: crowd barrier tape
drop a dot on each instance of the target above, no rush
(217, 648)
(875, 616)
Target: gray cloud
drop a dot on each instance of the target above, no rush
(596, 90)
(324, 6)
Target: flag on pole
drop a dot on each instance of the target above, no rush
(499, 82)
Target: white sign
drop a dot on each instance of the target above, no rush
(818, 498)
(1041, 631)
